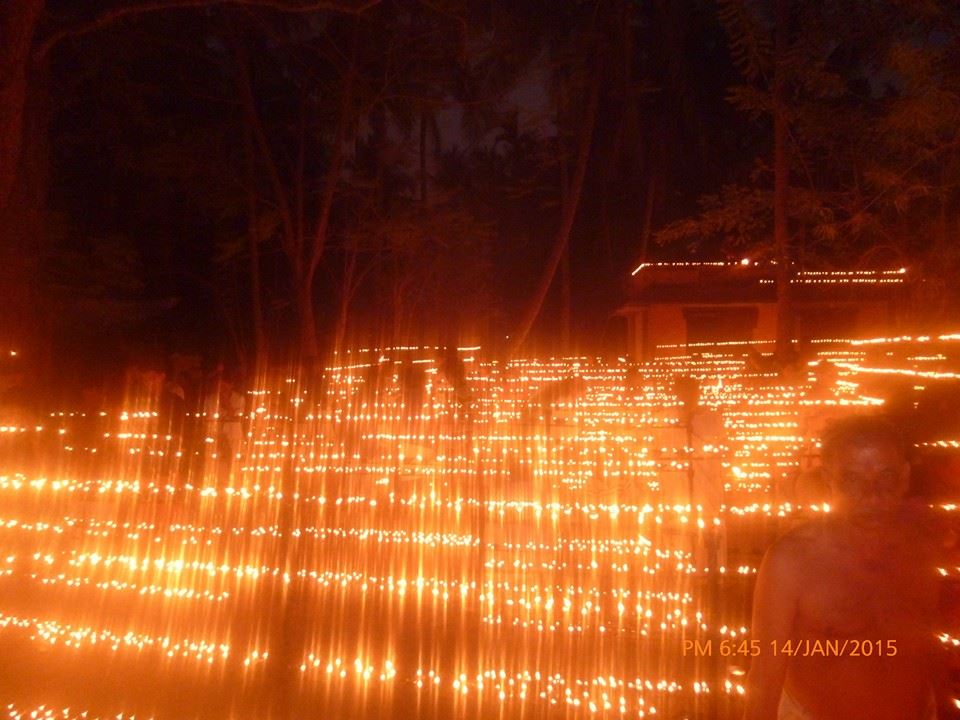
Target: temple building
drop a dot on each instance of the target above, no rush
(672, 306)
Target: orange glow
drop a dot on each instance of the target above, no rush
(515, 552)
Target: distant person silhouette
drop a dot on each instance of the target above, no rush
(705, 435)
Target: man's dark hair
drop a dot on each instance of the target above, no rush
(860, 431)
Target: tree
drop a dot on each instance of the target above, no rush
(762, 47)
(571, 202)
(360, 70)
(909, 197)
(18, 25)
(834, 90)
(577, 64)
(30, 37)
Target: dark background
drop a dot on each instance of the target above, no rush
(451, 170)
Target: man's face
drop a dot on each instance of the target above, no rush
(869, 483)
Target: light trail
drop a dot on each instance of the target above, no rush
(535, 549)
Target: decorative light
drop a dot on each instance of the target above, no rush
(550, 511)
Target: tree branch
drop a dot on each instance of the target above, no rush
(253, 125)
(112, 15)
(568, 214)
(336, 163)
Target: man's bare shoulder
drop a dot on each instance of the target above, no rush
(792, 553)
(930, 525)
(802, 538)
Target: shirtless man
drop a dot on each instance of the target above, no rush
(865, 572)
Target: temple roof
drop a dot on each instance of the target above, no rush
(752, 282)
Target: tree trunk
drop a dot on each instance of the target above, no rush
(232, 322)
(676, 26)
(23, 165)
(346, 294)
(308, 318)
(258, 135)
(18, 21)
(314, 253)
(423, 155)
(566, 223)
(565, 260)
(259, 333)
(253, 230)
(340, 336)
(26, 320)
(781, 179)
(646, 230)
(565, 295)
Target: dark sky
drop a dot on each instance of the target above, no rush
(157, 174)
